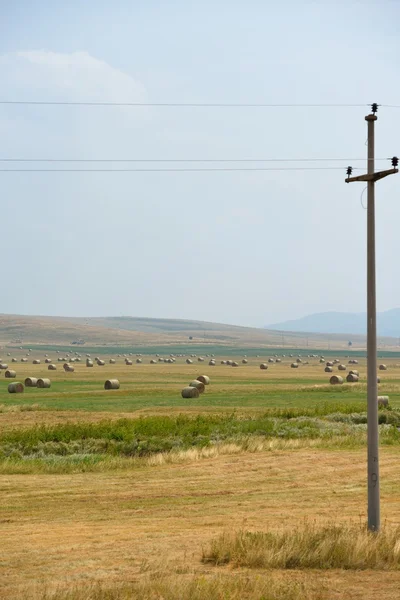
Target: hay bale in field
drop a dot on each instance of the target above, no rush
(383, 400)
(36, 361)
(190, 392)
(112, 361)
(14, 360)
(294, 366)
(352, 378)
(278, 360)
(189, 361)
(244, 361)
(342, 368)
(198, 384)
(10, 374)
(204, 379)
(111, 384)
(353, 361)
(24, 360)
(44, 383)
(329, 363)
(47, 361)
(298, 360)
(229, 362)
(52, 367)
(382, 367)
(328, 369)
(15, 388)
(69, 369)
(354, 373)
(378, 380)
(128, 362)
(223, 362)
(153, 361)
(31, 382)
(321, 360)
(101, 363)
(3, 366)
(138, 361)
(336, 380)
(234, 364)
(89, 363)
(271, 360)
(200, 359)
(263, 366)
(211, 363)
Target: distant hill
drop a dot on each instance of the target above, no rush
(388, 323)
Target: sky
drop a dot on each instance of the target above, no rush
(245, 247)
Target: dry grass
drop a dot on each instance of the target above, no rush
(167, 586)
(332, 546)
(111, 527)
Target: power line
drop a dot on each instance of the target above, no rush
(181, 160)
(171, 170)
(186, 104)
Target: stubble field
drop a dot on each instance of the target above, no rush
(126, 493)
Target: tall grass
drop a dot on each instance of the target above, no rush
(309, 547)
(174, 587)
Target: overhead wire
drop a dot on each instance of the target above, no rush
(183, 160)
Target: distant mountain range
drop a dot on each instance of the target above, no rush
(388, 323)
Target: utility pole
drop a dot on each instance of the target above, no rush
(372, 372)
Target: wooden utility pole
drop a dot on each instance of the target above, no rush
(372, 372)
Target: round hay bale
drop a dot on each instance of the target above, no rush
(383, 400)
(101, 363)
(321, 360)
(352, 378)
(111, 384)
(336, 380)
(329, 363)
(204, 379)
(271, 360)
(190, 392)
(198, 384)
(44, 383)
(223, 362)
(244, 361)
(14, 360)
(24, 360)
(294, 366)
(354, 373)
(128, 362)
(278, 360)
(211, 363)
(52, 367)
(189, 361)
(378, 380)
(342, 368)
(153, 361)
(229, 362)
(200, 359)
(69, 369)
(31, 382)
(328, 369)
(235, 364)
(298, 360)
(112, 361)
(10, 374)
(382, 367)
(36, 361)
(15, 388)
(89, 363)
(138, 361)
(263, 366)
(3, 366)
(47, 361)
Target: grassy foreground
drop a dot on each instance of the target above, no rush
(129, 493)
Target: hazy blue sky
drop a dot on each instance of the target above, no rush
(244, 248)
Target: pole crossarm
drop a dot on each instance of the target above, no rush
(372, 176)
